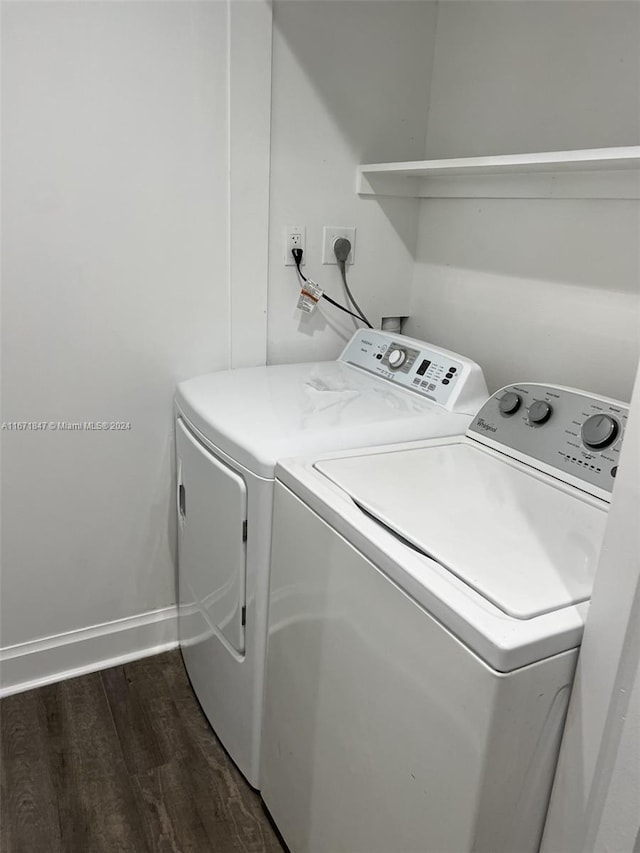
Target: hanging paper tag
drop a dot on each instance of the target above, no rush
(309, 297)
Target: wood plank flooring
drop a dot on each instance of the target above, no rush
(122, 760)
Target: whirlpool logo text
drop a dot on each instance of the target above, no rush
(485, 426)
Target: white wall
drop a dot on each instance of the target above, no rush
(619, 819)
(595, 805)
(512, 75)
(350, 85)
(250, 37)
(115, 285)
(533, 289)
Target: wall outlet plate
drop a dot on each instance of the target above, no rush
(329, 234)
(293, 237)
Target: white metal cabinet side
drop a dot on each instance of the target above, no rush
(355, 669)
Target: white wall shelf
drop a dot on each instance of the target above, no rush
(589, 173)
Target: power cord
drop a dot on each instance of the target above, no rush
(341, 249)
(297, 257)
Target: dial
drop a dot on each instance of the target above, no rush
(600, 431)
(539, 412)
(510, 403)
(397, 358)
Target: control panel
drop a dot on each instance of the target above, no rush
(434, 373)
(576, 434)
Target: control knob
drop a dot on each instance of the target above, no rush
(539, 412)
(599, 431)
(510, 403)
(397, 358)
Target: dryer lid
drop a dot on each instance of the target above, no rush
(257, 415)
(525, 542)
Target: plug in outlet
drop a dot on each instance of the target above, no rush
(330, 234)
(293, 238)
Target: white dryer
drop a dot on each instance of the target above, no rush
(427, 605)
(231, 427)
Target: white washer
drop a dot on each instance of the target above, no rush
(231, 427)
(427, 604)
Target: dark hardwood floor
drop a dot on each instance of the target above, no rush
(122, 760)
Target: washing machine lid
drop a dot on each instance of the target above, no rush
(258, 415)
(525, 542)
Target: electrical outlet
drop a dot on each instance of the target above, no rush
(330, 234)
(293, 238)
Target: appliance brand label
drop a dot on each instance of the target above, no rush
(485, 426)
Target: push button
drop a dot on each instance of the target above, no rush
(445, 381)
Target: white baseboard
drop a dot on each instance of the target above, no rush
(40, 662)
